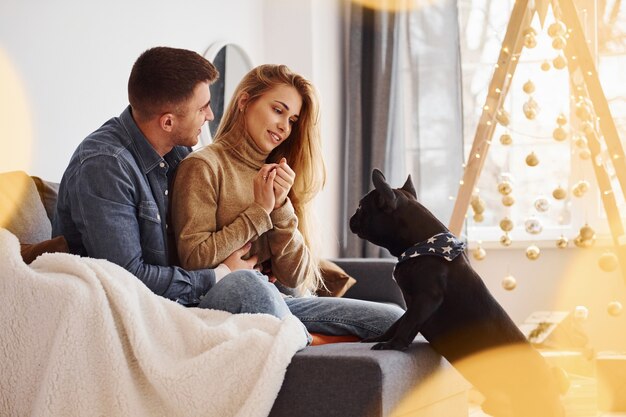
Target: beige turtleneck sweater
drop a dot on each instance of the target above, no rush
(214, 213)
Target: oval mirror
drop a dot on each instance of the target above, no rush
(233, 63)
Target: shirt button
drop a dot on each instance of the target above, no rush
(158, 217)
(166, 192)
(162, 164)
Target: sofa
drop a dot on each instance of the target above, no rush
(331, 379)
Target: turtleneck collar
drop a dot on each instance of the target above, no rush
(244, 148)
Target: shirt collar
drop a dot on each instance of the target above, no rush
(147, 157)
(444, 245)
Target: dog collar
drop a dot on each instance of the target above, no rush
(445, 245)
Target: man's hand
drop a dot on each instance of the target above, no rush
(263, 187)
(283, 182)
(234, 261)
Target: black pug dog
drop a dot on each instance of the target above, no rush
(449, 304)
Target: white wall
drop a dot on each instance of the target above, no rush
(64, 66)
(73, 58)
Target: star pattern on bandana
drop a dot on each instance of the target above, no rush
(444, 244)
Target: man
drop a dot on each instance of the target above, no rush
(113, 198)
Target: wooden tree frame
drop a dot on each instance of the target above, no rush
(583, 73)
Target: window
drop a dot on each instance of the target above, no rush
(540, 124)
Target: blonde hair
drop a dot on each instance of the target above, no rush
(303, 150)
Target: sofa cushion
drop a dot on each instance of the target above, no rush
(351, 380)
(21, 210)
(337, 280)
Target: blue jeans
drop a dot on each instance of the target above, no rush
(250, 292)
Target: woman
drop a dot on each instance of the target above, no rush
(255, 183)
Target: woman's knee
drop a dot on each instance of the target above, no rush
(245, 291)
(245, 280)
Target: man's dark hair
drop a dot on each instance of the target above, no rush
(163, 77)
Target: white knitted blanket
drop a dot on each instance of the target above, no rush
(83, 337)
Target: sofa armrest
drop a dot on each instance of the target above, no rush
(374, 279)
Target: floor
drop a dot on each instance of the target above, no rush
(580, 400)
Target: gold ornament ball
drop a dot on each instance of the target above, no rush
(479, 253)
(530, 108)
(584, 154)
(508, 200)
(559, 134)
(587, 232)
(559, 42)
(532, 160)
(581, 313)
(529, 87)
(478, 206)
(608, 262)
(532, 252)
(478, 217)
(506, 224)
(533, 226)
(583, 185)
(614, 308)
(542, 204)
(505, 240)
(562, 242)
(584, 243)
(506, 139)
(577, 192)
(580, 142)
(557, 28)
(530, 41)
(509, 283)
(530, 113)
(559, 193)
(503, 117)
(545, 66)
(561, 120)
(583, 111)
(505, 188)
(559, 62)
(589, 129)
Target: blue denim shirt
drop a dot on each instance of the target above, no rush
(113, 204)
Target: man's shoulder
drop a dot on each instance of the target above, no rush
(110, 140)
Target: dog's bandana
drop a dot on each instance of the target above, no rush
(443, 244)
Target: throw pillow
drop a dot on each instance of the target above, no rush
(337, 281)
(48, 192)
(21, 210)
(30, 251)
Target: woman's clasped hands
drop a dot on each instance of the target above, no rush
(272, 185)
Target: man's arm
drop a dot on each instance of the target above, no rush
(120, 223)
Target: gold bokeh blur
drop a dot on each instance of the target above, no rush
(394, 5)
(17, 132)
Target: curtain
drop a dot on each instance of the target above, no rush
(402, 102)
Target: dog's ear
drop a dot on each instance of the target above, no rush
(388, 197)
(408, 187)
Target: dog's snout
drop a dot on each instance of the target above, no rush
(354, 222)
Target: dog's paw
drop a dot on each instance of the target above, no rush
(388, 346)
